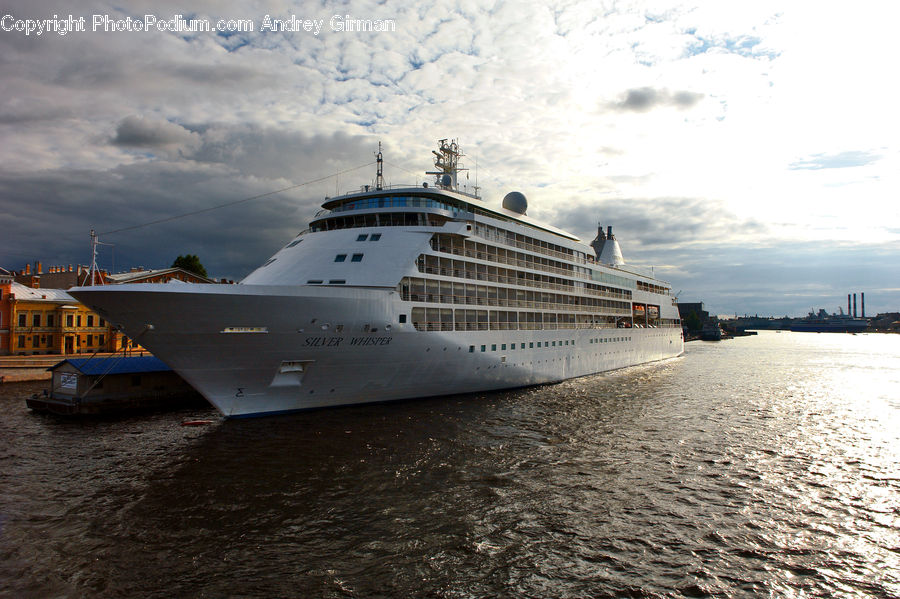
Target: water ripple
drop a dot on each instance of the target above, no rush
(763, 466)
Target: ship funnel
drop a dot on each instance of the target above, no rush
(611, 252)
(598, 242)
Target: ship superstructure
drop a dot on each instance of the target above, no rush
(402, 292)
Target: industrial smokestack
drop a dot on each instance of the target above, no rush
(609, 232)
(862, 299)
(849, 311)
(854, 305)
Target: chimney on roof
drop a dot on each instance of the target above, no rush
(39, 269)
(70, 268)
(27, 269)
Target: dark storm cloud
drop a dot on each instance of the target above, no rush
(230, 165)
(142, 132)
(644, 99)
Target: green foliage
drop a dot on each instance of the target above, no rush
(692, 322)
(191, 263)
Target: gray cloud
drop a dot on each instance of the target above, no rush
(645, 99)
(137, 131)
(658, 223)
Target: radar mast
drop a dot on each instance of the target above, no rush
(446, 162)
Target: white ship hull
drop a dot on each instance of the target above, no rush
(260, 349)
(403, 292)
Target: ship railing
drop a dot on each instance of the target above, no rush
(510, 326)
(524, 245)
(468, 300)
(506, 280)
(508, 260)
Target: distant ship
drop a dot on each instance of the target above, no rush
(822, 322)
(404, 292)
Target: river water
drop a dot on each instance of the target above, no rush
(760, 466)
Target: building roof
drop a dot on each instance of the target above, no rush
(134, 277)
(23, 292)
(120, 365)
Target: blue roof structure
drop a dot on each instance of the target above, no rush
(129, 365)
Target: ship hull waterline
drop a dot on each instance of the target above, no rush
(255, 350)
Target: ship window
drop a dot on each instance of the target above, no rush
(375, 237)
(293, 243)
(361, 237)
(337, 282)
(269, 261)
(340, 257)
(314, 282)
(356, 258)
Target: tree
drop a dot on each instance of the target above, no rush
(190, 263)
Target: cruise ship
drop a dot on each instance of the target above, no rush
(398, 292)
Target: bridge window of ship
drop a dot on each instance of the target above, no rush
(356, 258)
(340, 257)
(375, 237)
(314, 282)
(293, 243)
(361, 237)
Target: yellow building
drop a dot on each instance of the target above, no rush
(50, 321)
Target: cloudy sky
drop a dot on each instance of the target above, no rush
(748, 151)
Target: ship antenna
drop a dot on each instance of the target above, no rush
(94, 270)
(379, 173)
